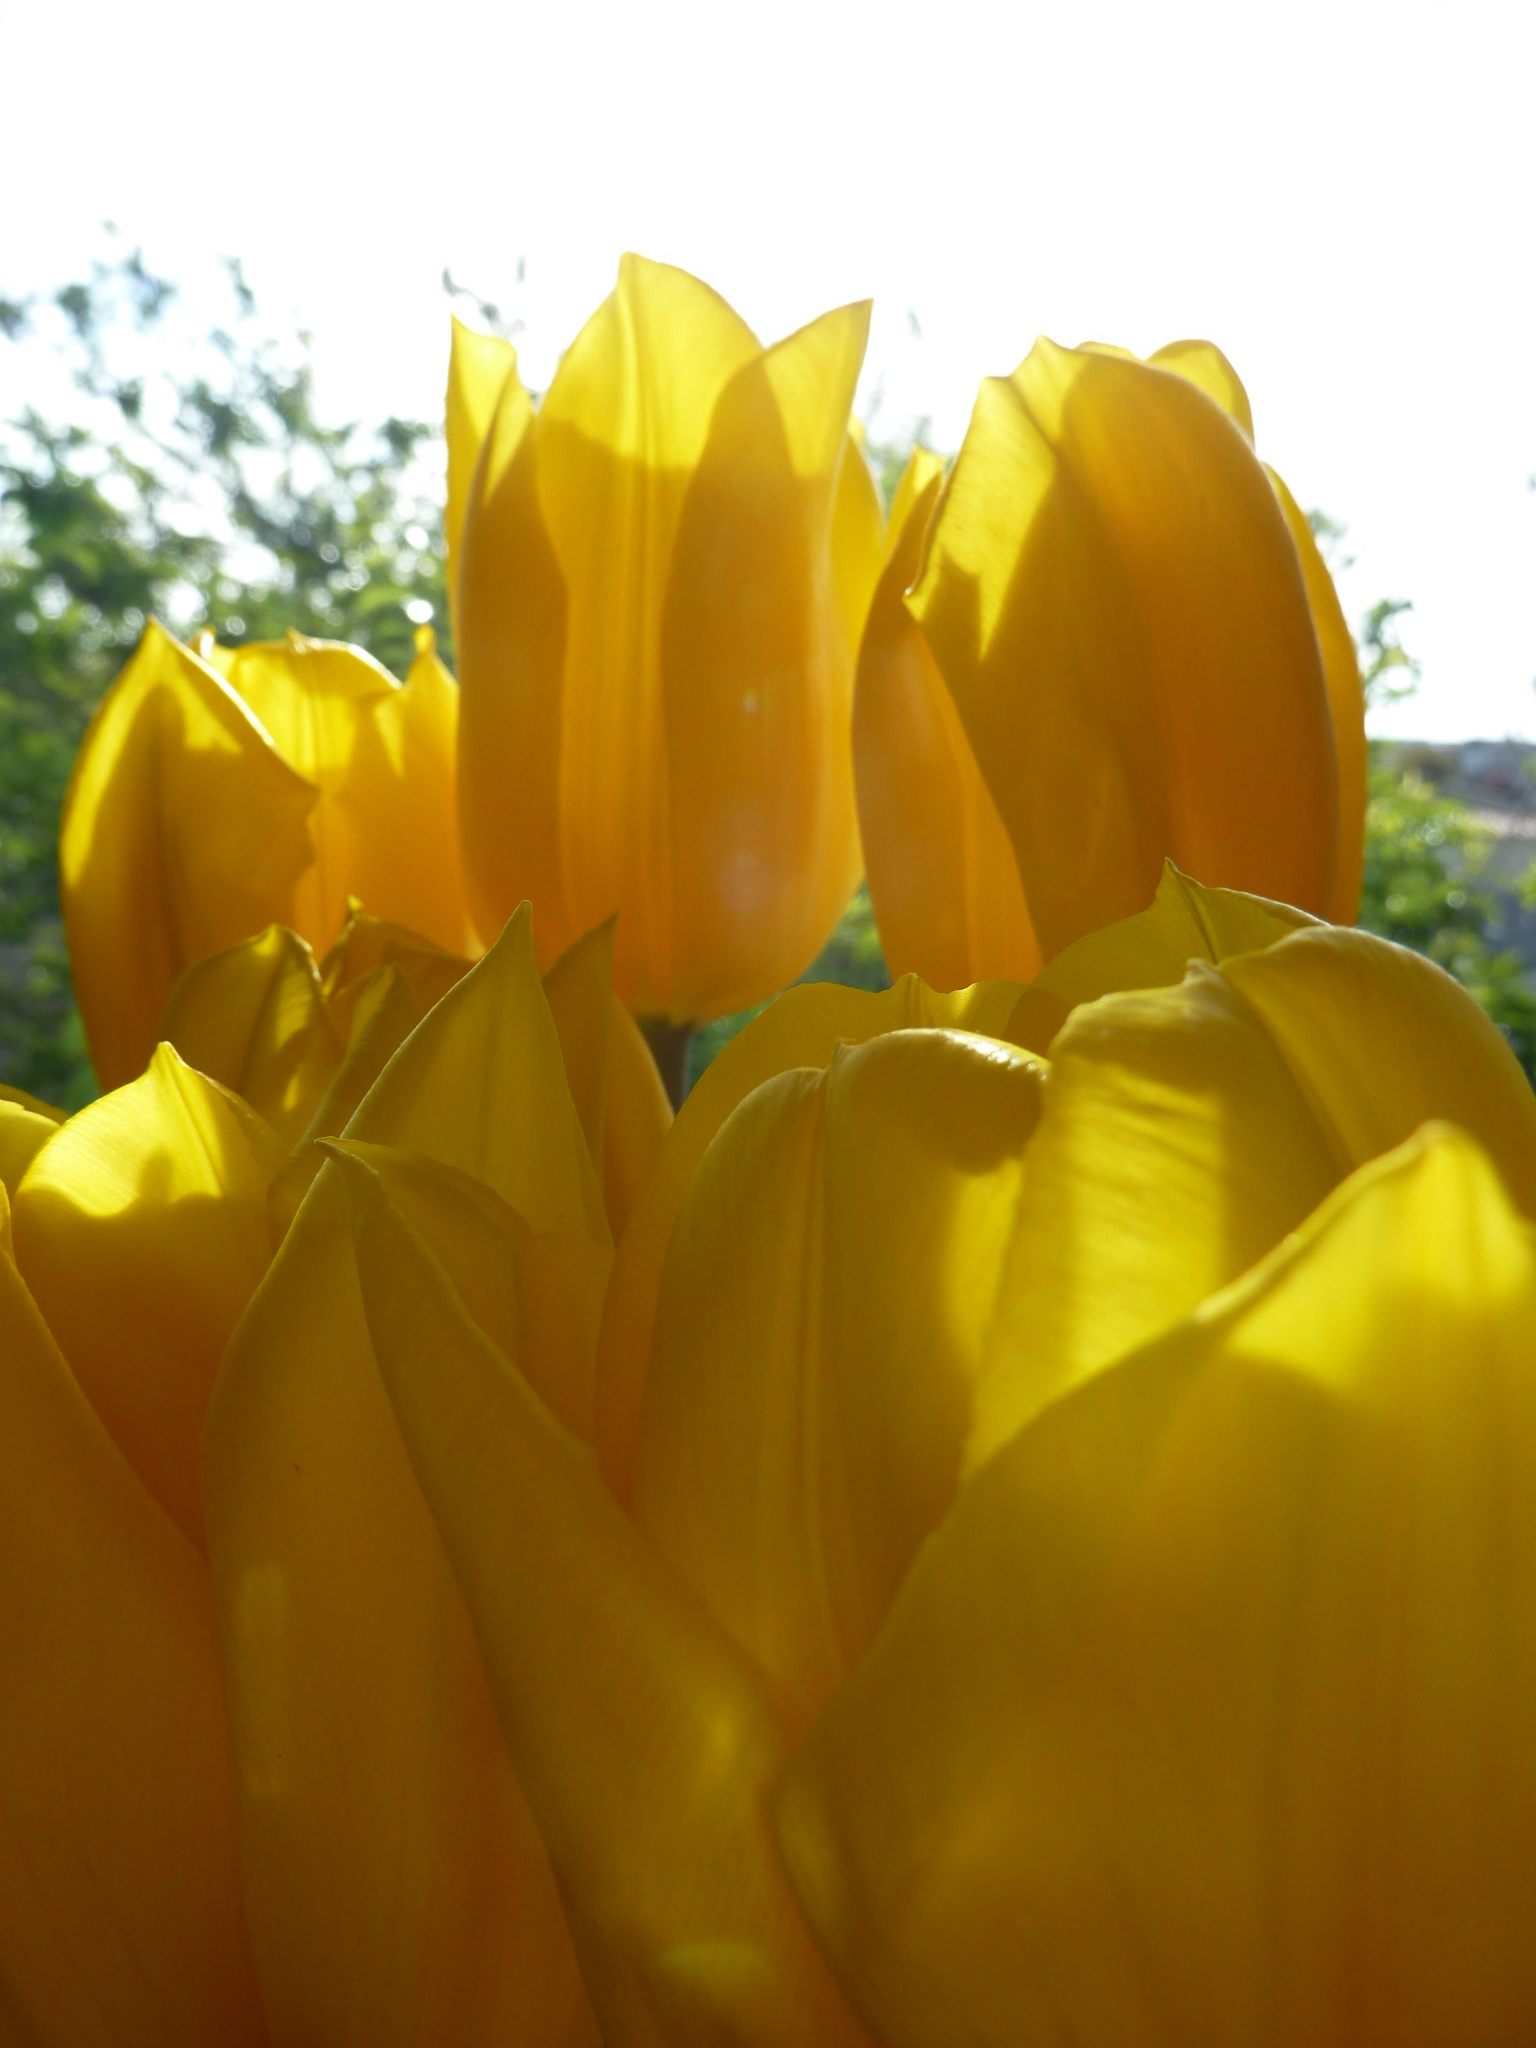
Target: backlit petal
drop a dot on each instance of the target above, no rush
(23, 1134)
(1115, 603)
(942, 874)
(366, 943)
(858, 541)
(803, 1028)
(183, 831)
(819, 1334)
(141, 1230)
(1346, 703)
(1187, 1129)
(624, 422)
(1202, 364)
(1205, 1716)
(645, 1746)
(1174, 1150)
(479, 367)
(396, 1888)
(1183, 922)
(120, 1914)
(1380, 1040)
(254, 1018)
(639, 1117)
(383, 760)
(756, 688)
(510, 649)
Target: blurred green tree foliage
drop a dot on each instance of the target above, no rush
(1426, 857)
(184, 472)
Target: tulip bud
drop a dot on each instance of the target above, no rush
(1122, 646)
(661, 581)
(266, 785)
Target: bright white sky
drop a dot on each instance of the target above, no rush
(1341, 195)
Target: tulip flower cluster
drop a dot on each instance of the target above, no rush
(1010, 1518)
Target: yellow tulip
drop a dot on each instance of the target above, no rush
(745, 1712)
(264, 784)
(1108, 640)
(395, 1887)
(1206, 1716)
(139, 1230)
(660, 579)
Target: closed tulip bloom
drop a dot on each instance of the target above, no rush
(120, 1910)
(135, 1234)
(1121, 645)
(403, 1896)
(661, 577)
(264, 784)
(1205, 1717)
(825, 1675)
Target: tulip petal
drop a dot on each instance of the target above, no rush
(942, 874)
(479, 368)
(23, 1134)
(382, 757)
(1184, 922)
(1380, 1040)
(382, 1010)
(858, 542)
(120, 1914)
(923, 468)
(618, 1093)
(838, 1252)
(1346, 703)
(1174, 1150)
(645, 1746)
(366, 944)
(756, 689)
(396, 1887)
(510, 648)
(802, 1028)
(30, 1102)
(1114, 601)
(1202, 364)
(624, 421)
(254, 1019)
(481, 1086)
(184, 830)
(141, 1231)
(639, 1117)
(1204, 1717)
(579, 988)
